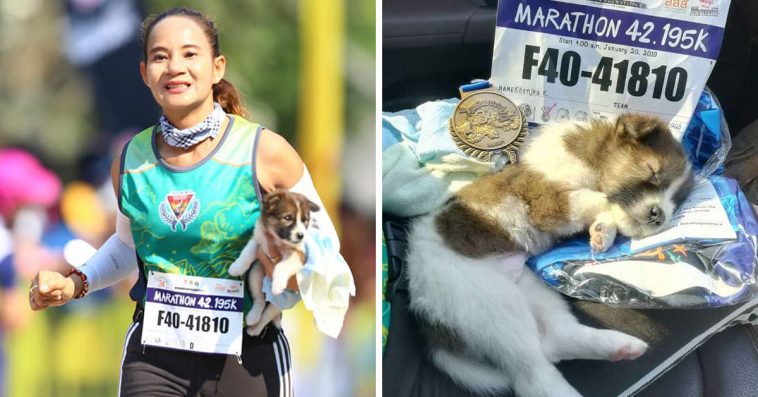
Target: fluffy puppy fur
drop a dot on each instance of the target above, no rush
(281, 228)
(491, 333)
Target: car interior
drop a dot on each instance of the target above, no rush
(430, 48)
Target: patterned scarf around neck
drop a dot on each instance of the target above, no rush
(192, 136)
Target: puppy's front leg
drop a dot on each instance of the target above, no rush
(602, 232)
(589, 207)
(246, 258)
(283, 270)
(585, 205)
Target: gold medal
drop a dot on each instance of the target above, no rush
(486, 125)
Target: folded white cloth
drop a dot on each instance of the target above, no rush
(434, 140)
(402, 126)
(421, 165)
(408, 188)
(425, 130)
(326, 283)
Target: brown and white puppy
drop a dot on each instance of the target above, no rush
(491, 332)
(281, 229)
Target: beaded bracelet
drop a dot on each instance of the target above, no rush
(85, 283)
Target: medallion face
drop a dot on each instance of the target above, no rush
(486, 123)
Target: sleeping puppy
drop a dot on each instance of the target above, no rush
(281, 228)
(491, 331)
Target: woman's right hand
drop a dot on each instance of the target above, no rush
(50, 288)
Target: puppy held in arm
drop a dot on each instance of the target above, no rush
(281, 228)
(491, 331)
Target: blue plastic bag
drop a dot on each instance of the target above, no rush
(690, 273)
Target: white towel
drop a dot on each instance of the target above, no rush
(326, 283)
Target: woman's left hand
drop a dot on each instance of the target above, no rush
(269, 263)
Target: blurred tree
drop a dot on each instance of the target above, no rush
(44, 103)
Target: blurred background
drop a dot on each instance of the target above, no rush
(71, 96)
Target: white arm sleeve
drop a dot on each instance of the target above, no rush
(124, 229)
(319, 219)
(115, 260)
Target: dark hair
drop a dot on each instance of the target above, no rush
(223, 92)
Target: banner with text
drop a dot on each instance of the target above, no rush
(561, 60)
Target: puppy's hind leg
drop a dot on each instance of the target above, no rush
(489, 314)
(270, 314)
(564, 338)
(462, 370)
(508, 337)
(255, 286)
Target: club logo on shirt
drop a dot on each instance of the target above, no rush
(179, 208)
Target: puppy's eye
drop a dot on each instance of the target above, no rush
(287, 218)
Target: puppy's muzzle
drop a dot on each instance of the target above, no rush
(657, 216)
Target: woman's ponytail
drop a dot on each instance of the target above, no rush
(229, 98)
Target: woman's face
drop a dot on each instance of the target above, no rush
(180, 68)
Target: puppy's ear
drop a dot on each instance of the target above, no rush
(305, 203)
(271, 200)
(638, 126)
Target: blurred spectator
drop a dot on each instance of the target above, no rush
(26, 190)
(102, 38)
(13, 313)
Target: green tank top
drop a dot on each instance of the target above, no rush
(194, 220)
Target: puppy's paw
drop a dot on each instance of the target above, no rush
(628, 348)
(256, 329)
(238, 268)
(601, 236)
(253, 316)
(278, 286)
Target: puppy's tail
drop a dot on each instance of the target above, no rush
(470, 374)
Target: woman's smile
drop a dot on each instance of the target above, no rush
(177, 87)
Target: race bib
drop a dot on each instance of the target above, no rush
(193, 313)
(561, 60)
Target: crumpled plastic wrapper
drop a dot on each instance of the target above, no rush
(689, 273)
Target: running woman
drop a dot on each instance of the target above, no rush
(188, 191)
